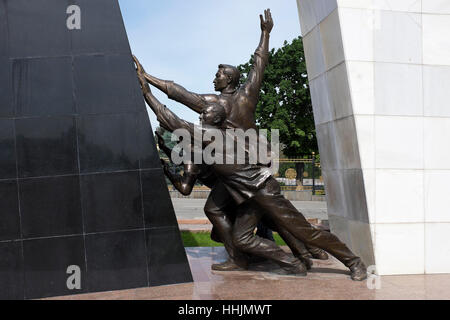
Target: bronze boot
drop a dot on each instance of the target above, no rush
(306, 259)
(229, 265)
(318, 253)
(298, 268)
(358, 271)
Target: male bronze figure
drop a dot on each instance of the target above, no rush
(245, 184)
(239, 103)
(192, 172)
(254, 183)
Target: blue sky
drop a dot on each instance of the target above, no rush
(185, 40)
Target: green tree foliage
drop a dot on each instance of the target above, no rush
(285, 102)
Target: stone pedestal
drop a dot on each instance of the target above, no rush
(80, 179)
(379, 75)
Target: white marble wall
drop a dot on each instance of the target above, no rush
(379, 74)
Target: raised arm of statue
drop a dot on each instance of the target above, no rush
(166, 118)
(174, 91)
(194, 101)
(158, 83)
(261, 58)
(183, 183)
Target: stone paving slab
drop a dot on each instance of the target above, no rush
(328, 280)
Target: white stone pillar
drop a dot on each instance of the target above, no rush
(379, 73)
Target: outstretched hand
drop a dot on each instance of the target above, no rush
(141, 75)
(267, 24)
(139, 68)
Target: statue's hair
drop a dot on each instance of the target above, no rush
(233, 72)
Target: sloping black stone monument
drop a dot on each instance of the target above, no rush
(80, 179)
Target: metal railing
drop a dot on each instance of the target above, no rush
(305, 173)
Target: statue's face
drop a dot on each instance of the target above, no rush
(221, 81)
(209, 116)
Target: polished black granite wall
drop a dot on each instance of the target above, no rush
(80, 178)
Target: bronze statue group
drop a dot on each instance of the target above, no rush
(243, 195)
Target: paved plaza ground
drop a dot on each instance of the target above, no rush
(327, 280)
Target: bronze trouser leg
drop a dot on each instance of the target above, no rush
(216, 210)
(286, 216)
(297, 247)
(244, 238)
(314, 250)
